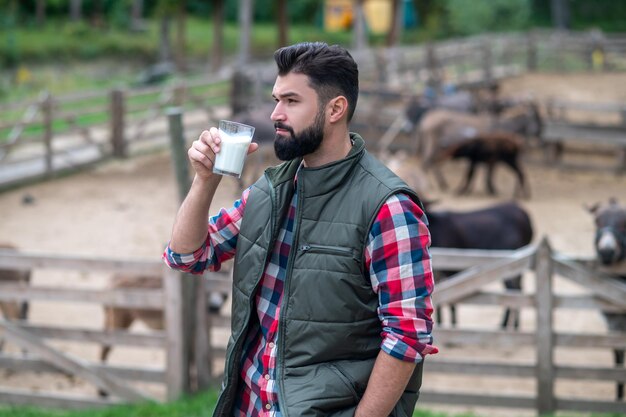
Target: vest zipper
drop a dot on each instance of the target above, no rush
(332, 250)
(281, 322)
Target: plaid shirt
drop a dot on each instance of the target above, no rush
(398, 262)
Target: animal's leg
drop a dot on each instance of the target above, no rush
(522, 186)
(439, 312)
(114, 319)
(514, 283)
(464, 189)
(453, 315)
(619, 361)
(441, 181)
(491, 189)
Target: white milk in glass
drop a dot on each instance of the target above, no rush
(232, 155)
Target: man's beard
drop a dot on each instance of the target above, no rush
(306, 142)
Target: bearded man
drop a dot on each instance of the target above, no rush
(332, 280)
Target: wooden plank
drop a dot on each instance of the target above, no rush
(72, 365)
(591, 373)
(52, 400)
(501, 338)
(20, 364)
(472, 279)
(585, 133)
(545, 330)
(176, 361)
(578, 302)
(138, 298)
(24, 260)
(600, 341)
(505, 299)
(600, 284)
(155, 338)
(451, 366)
(591, 406)
(452, 398)
(457, 259)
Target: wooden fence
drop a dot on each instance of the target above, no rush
(41, 138)
(175, 339)
(479, 269)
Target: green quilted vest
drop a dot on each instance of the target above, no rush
(329, 331)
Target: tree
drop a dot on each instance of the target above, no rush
(397, 20)
(560, 14)
(245, 27)
(76, 7)
(217, 51)
(40, 12)
(359, 31)
(283, 23)
(478, 16)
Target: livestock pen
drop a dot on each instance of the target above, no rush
(480, 269)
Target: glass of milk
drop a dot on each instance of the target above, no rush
(236, 138)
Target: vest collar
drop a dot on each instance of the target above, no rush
(319, 180)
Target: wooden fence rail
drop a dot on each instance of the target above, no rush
(478, 270)
(54, 134)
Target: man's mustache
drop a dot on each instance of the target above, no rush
(279, 125)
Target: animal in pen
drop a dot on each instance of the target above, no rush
(439, 128)
(490, 149)
(504, 226)
(610, 247)
(13, 310)
(121, 318)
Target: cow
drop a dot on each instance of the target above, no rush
(440, 127)
(13, 310)
(499, 227)
(489, 148)
(610, 247)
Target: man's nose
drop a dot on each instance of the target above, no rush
(278, 114)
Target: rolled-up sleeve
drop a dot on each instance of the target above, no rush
(219, 245)
(398, 260)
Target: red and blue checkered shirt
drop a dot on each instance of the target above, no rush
(399, 266)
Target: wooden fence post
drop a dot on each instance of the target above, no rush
(432, 66)
(118, 142)
(545, 331)
(192, 288)
(177, 367)
(531, 54)
(487, 61)
(178, 149)
(46, 107)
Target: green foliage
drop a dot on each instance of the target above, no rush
(469, 17)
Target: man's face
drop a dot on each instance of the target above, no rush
(298, 121)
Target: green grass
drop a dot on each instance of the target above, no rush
(199, 405)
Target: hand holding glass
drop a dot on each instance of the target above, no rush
(236, 139)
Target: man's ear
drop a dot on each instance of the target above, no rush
(337, 109)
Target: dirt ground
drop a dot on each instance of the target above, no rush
(124, 209)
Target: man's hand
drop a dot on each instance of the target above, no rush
(202, 152)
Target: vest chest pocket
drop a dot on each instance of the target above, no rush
(328, 250)
(333, 255)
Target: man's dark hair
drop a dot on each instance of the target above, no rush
(331, 70)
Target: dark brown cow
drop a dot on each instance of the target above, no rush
(489, 148)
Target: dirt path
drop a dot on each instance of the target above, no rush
(125, 209)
